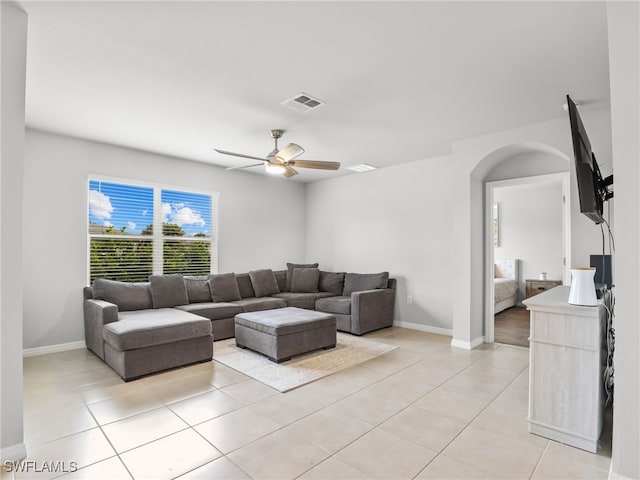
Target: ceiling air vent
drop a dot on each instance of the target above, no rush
(303, 103)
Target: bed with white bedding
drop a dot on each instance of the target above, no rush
(505, 284)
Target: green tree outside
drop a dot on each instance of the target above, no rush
(131, 260)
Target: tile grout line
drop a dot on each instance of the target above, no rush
(387, 375)
(470, 422)
(539, 460)
(85, 387)
(331, 455)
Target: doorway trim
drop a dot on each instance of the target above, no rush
(490, 187)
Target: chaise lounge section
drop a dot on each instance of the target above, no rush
(136, 336)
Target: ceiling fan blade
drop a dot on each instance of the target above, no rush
(289, 172)
(246, 166)
(242, 155)
(315, 164)
(289, 152)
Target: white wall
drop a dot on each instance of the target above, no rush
(261, 222)
(530, 229)
(14, 49)
(476, 157)
(624, 68)
(528, 165)
(396, 219)
(423, 221)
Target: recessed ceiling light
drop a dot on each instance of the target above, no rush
(363, 167)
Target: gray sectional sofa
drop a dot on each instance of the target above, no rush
(170, 321)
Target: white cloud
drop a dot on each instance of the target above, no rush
(99, 204)
(145, 212)
(107, 224)
(131, 225)
(186, 216)
(179, 214)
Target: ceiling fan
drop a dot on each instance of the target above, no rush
(283, 161)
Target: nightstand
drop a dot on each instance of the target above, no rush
(534, 287)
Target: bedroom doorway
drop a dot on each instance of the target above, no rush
(524, 217)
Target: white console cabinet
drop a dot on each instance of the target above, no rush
(566, 369)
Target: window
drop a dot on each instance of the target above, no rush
(138, 230)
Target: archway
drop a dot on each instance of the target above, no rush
(524, 164)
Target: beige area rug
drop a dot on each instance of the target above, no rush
(350, 350)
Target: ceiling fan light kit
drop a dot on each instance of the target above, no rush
(274, 168)
(282, 161)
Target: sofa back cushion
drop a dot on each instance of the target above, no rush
(332, 282)
(357, 282)
(281, 278)
(168, 290)
(127, 296)
(291, 267)
(224, 287)
(264, 282)
(305, 280)
(244, 284)
(198, 289)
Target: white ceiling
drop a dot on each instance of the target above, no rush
(401, 80)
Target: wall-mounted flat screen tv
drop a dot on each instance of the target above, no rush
(593, 190)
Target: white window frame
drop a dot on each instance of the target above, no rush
(157, 237)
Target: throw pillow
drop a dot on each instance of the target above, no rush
(292, 266)
(332, 282)
(357, 282)
(127, 296)
(168, 290)
(198, 289)
(224, 287)
(305, 280)
(264, 282)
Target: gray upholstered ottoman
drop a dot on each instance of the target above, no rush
(284, 332)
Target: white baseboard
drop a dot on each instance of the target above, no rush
(424, 328)
(61, 347)
(467, 345)
(617, 476)
(13, 453)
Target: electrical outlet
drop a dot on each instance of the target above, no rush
(409, 299)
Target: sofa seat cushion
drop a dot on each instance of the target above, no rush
(284, 321)
(145, 328)
(340, 305)
(254, 304)
(302, 300)
(212, 311)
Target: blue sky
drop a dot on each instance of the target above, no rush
(131, 206)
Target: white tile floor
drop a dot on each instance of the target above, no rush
(425, 410)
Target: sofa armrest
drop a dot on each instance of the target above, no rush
(372, 309)
(97, 313)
